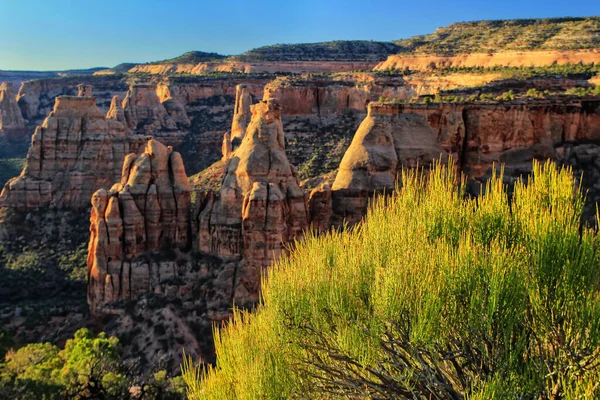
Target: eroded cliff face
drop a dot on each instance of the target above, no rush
(296, 67)
(12, 123)
(36, 98)
(148, 211)
(422, 62)
(73, 153)
(155, 256)
(322, 114)
(478, 137)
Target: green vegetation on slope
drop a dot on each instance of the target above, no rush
(9, 168)
(339, 50)
(517, 34)
(89, 367)
(192, 57)
(12, 159)
(435, 296)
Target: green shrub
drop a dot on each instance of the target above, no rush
(89, 367)
(436, 295)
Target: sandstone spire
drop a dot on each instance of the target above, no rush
(116, 110)
(241, 119)
(12, 122)
(260, 206)
(84, 90)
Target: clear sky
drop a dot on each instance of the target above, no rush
(64, 34)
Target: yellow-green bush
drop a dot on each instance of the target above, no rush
(435, 296)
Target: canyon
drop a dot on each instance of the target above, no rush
(181, 183)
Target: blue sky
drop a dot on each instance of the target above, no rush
(62, 34)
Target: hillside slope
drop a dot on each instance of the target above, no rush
(339, 50)
(501, 35)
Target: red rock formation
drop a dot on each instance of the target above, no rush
(260, 206)
(328, 96)
(148, 211)
(73, 153)
(84, 90)
(145, 114)
(36, 98)
(297, 67)
(241, 118)
(541, 58)
(186, 91)
(477, 136)
(12, 123)
(116, 110)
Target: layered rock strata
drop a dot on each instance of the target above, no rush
(147, 211)
(295, 67)
(477, 136)
(36, 98)
(145, 114)
(541, 58)
(12, 123)
(73, 153)
(144, 239)
(260, 206)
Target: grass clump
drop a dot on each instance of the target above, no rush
(435, 296)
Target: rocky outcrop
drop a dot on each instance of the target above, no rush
(387, 140)
(476, 136)
(116, 111)
(12, 123)
(148, 211)
(296, 67)
(73, 153)
(36, 98)
(544, 58)
(241, 119)
(260, 206)
(144, 239)
(84, 90)
(145, 114)
(322, 113)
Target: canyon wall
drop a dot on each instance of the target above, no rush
(146, 114)
(296, 67)
(476, 136)
(422, 62)
(36, 97)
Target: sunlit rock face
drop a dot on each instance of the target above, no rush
(476, 137)
(241, 119)
(74, 152)
(260, 206)
(12, 123)
(146, 114)
(147, 211)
